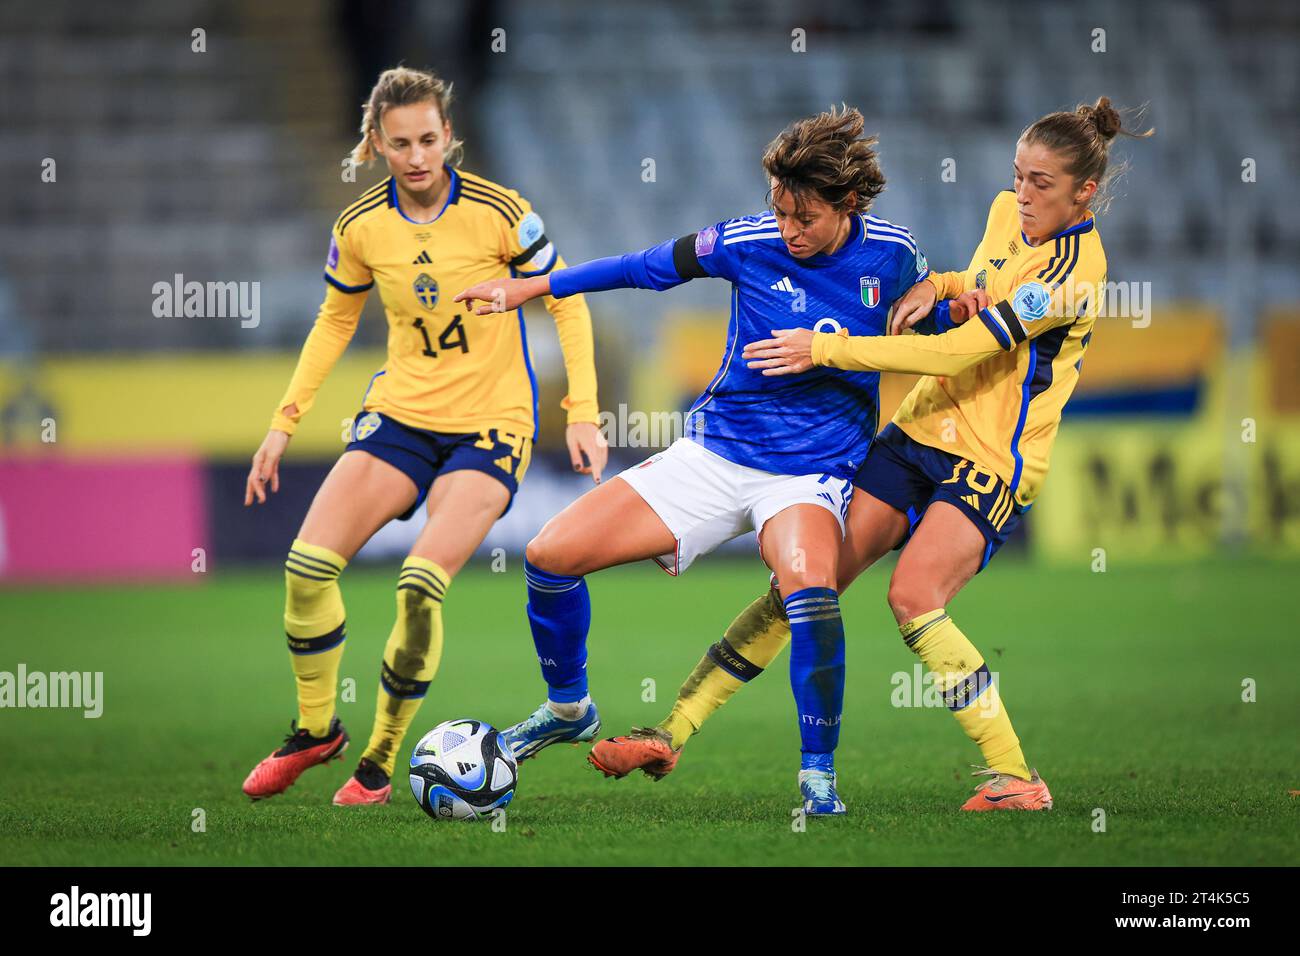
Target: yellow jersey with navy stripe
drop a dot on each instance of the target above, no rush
(447, 370)
(994, 388)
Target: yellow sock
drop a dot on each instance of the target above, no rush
(968, 689)
(410, 658)
(750, 644)
(314, 622)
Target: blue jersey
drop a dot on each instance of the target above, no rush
(821, 421)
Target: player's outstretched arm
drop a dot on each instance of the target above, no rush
(658, 268)
(504, 295)
(791, 351)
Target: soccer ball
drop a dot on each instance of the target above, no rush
(460, 771)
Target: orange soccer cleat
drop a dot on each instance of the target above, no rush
(368, 784)
(649, 749)
(1006, 792)
(301, 751)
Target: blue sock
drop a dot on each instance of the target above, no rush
(817, 671)
(559, 611)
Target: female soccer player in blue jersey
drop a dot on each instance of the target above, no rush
(776, 456)
(448, 422)
(966, 453)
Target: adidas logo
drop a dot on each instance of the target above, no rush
(785, 285)
(422, 259)
(972, 500)
(464, 767)
(998, 263)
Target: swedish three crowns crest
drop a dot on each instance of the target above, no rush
(426, 290)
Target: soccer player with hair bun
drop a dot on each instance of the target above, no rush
(966, 454)
(449, 421)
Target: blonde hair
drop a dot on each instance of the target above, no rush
(402, 86)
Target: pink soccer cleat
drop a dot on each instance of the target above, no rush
(368, 784)
(649, 749)
(301, 751)
(1006, 792)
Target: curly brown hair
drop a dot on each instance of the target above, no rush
(826, 156)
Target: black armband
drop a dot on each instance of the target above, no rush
(685, 261)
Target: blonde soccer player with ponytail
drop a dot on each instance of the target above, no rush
(966, 454)
(449, 421)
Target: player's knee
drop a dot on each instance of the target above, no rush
(796, 581)
(307, 584)
(909, 598)
(537, 553)
(546, 553)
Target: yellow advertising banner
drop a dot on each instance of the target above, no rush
(1227, 477)
(213, 404)
(1161, 490)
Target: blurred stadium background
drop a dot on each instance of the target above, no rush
(130, 158)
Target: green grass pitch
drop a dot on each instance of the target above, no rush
(1125, 686)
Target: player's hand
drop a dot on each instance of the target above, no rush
(266, 467)
(588, 449)
(504, 295)
(916, 303)
(788, 352)
(967, 304)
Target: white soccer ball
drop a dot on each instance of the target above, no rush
(461, 771)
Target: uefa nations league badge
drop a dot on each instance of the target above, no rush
(1030, 301)
(870, 288)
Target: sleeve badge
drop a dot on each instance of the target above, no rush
(1031, 301)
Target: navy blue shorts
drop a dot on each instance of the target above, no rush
(909, 476)
(424, 455)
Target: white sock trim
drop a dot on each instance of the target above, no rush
(569, 710)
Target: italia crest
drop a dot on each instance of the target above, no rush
(869, 286)
(426, 290)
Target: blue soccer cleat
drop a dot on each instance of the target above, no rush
(544, 728)
(819, 797)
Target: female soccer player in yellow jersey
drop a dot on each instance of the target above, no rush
(965, 455)
(449, 421)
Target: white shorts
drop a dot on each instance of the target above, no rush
(706, 500)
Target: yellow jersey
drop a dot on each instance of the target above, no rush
(447, 370)
(994, 388)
